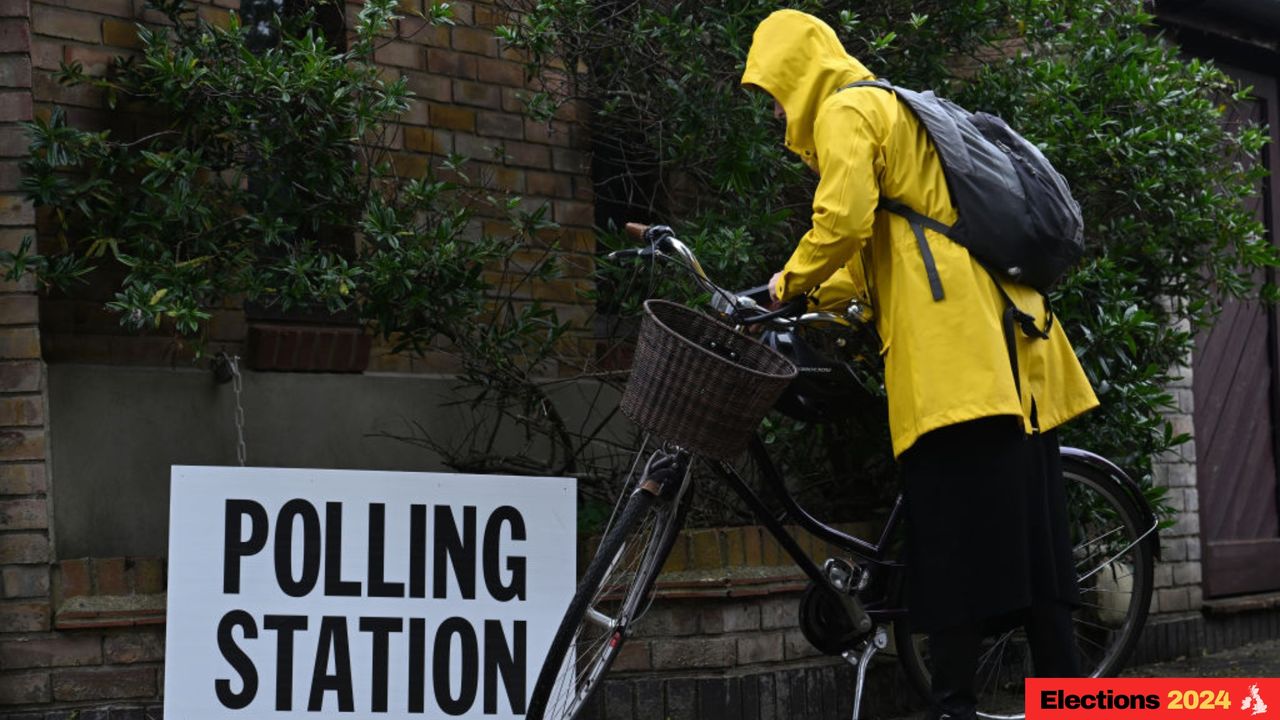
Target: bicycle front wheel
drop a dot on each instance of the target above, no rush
(1114, 565)
(612, 595)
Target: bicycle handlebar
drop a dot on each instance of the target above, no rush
(661, 241)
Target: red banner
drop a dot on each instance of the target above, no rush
(1152, 698)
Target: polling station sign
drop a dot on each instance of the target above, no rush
(339, 593)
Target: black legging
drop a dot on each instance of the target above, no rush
(955, 656)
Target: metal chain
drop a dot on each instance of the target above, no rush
(237, 382)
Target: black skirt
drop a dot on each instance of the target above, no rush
(987, 528)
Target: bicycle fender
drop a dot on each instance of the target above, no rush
(1120, 478)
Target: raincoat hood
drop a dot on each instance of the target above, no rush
(797, 58)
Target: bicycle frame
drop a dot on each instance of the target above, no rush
(876, 553)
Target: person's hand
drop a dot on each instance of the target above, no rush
(773, 288)
(636, 231)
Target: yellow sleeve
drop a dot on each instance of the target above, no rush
(846, 283)
(844, 205)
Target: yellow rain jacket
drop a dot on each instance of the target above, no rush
(946, 361)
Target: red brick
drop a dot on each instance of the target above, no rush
(46, 89)
(120, 34)
(94, 61)
(633, 656)
(43, 652)
(109, 576)
(528, 155)
(25, 581)
(509, 179)
(30, 514)
(473, 40)
(23, 688)
(489, 17)
(417, 114)
(14, 142)
(133, 647)
(28, 616)
(549, 184)
(418, 30)
(10, 176)
(22, 479)
(19, 343)
(15, 8)
(431, 87)
(463, 13)
(15, 71)
(67, 24)
(21, 444)
(23, 376)
(453, 118)
(500, 72)
(497, 125)
(513, 99)
(426, 140)
(148, 576)
(400, 54)
(46, 55)
(583, 188)
(475, 147)
(466, 92)
(104, 683)
(120, 8)
(567, 212)
(15, 36)
(552, 133)
(15, 106)
(451, 63)
(74, 579)
(15, 209)
(22, 410)
(24, 548)
(18, 309)
(571, 161)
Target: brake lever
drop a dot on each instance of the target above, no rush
(628, 253)
(794, 306)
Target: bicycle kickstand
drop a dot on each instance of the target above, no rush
(878, 641)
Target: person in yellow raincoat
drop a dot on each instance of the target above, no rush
(987, 541)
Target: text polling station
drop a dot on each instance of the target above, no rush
(323, 593)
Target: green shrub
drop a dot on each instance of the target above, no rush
(267, 178)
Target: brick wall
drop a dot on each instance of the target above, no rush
(1177, 574)
(85, 637)
(24, 511)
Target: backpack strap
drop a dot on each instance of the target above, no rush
(918, 223)
(1012, 318)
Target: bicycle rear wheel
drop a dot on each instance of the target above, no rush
(611, 597)
(1114, 565)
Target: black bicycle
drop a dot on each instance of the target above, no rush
(851, 603)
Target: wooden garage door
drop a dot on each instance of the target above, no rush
(1236, 385)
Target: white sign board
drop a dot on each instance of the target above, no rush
(338, 593)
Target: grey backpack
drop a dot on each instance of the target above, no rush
(1015, 212)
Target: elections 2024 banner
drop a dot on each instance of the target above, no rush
(337, 593)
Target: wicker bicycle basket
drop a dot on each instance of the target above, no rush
(699, 384)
